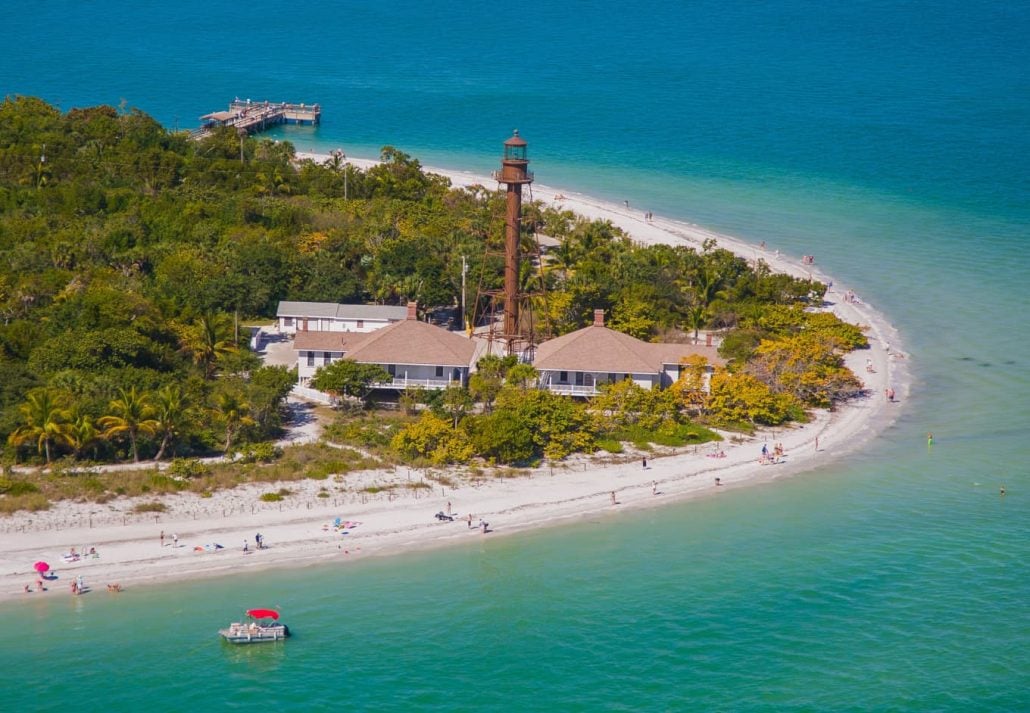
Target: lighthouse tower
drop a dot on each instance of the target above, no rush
(514, 175)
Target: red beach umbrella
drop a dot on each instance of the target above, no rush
(263, 614)
(41, 567)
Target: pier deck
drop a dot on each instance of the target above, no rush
(251, 117)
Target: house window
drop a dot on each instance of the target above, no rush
(311, 358)
(287, 321)
(327, 357)
(439, 371)
(611, 378)
(626, 377)
(563, 377)
(579, 378)
(456, 375)
(391, 369)
(361, 323)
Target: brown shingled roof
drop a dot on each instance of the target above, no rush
(405, 342)
(595, 349)
(413, 342)
(326, 341)
(601, 349)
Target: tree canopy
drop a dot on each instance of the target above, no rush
(130, 255)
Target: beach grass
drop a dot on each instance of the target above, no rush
(35, 491)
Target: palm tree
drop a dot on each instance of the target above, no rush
(206, 340)
(234, 412)
(563, 259)
(83, 433)
(171, 410)
(132, 416)
(703, 291)
(46, 415)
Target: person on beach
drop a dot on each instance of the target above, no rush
(80, 584)
(246, 547)
(39, 585)
(162, 538)
(654, 487)
(718, 481)
(175, 540)
(645, 462)
(75, 588)
(28, 589)
(258, 541)
(470, 520)
(613, 498)
(448, 507)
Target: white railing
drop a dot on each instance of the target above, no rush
(572, 389)
(412, 383)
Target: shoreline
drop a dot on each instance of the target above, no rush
(132, 554)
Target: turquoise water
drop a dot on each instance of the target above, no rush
(887, 139)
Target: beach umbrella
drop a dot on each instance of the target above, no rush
(263, 614)
(41, 567)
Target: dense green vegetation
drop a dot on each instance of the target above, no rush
(129, 256)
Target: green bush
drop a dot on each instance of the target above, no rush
(271, 497)
(610, 445)
(149, 507)
(14, 488)
(260, 452)
(321, 471)
(186, 468)
(165, 484)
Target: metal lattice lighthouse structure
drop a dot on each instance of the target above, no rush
(513, 175)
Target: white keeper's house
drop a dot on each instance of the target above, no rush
(576, 363)
(296, 317)
(412, 352)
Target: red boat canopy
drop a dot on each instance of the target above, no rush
(263, 614)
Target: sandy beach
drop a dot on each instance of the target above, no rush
(302, 530)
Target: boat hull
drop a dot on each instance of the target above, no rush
(255, 635)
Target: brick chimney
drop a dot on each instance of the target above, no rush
(412, 310)
(598, 317)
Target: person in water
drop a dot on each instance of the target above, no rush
(929, 439)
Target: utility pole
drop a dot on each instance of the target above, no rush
(464, 271)
(42, 164)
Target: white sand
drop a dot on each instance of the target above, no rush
(131, 554)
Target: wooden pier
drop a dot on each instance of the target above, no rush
(251, 117)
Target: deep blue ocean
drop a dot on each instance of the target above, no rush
(888, 139)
